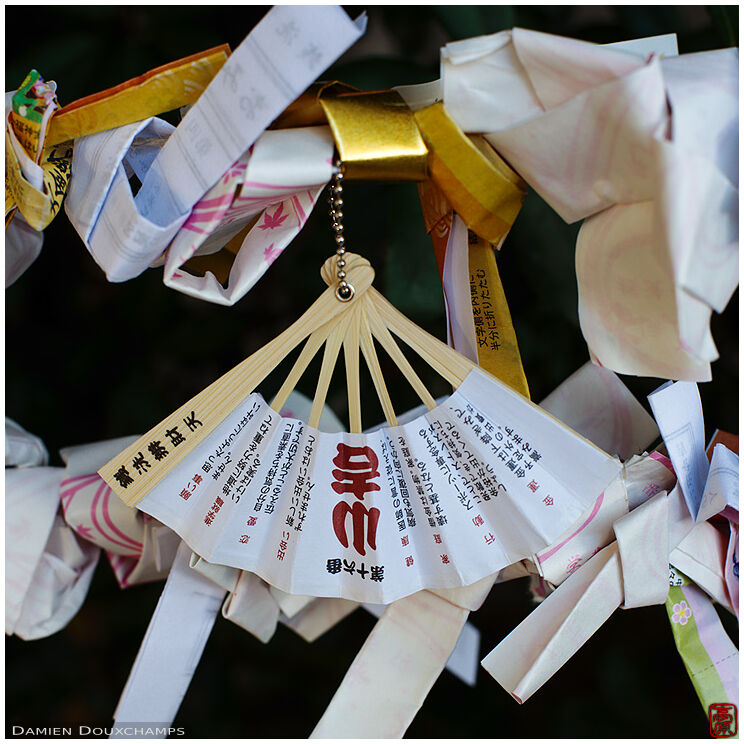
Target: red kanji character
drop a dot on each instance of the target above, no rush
(244, 539)
(437, 538)
(533, 486)
(548, 501)
(489, 538)
(355, 476)
(197, 479)
(358, 514)
(404, 540)
(444, 557)
(409, 560)
(251, 521)
(478, 521)
(185, 494)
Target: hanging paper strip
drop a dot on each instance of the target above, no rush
(479, 322)
(711, 659)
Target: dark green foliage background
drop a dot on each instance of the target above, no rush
(87, 360)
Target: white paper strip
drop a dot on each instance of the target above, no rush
(281, 56)
(722, 486)
(171, 648)
(679, 415)
(394, 670)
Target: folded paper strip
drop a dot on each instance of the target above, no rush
(645, 151)
(47, 568)
(234, 232)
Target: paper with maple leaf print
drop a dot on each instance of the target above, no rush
(264, 74)
(265, 199)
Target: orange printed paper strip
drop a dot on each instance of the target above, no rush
(163, 89)
(482, 188)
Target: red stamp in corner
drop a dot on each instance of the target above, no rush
(723, 720)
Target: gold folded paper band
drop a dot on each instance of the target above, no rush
(481, 187)
(164, 88)
(376, 136)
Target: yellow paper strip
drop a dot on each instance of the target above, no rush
(498, 350)
(38, 208)
(376, 136)
(163, 89)
(481, 187)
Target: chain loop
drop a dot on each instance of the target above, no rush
(344, 290)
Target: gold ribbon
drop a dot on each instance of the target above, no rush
(376, 136)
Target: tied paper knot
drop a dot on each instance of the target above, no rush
(644, 553)
(633, 571)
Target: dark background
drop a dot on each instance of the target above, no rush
(88, 360)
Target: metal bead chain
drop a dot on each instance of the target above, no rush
(344, 290)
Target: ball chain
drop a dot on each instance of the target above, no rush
(344, 290)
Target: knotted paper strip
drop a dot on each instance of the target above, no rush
(590, 129)
(630, 572)
(281, 56)
(139, 548)
(48, 571)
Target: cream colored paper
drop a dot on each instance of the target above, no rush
(594, 402)
(589, 128)
(47, 570)
(633, 571)
(394, 670)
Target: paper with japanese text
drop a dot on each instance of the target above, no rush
(283, 54)
(478, 483)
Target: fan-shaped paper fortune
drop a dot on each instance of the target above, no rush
(480, 481)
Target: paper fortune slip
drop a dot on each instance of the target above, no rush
(482, 481)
